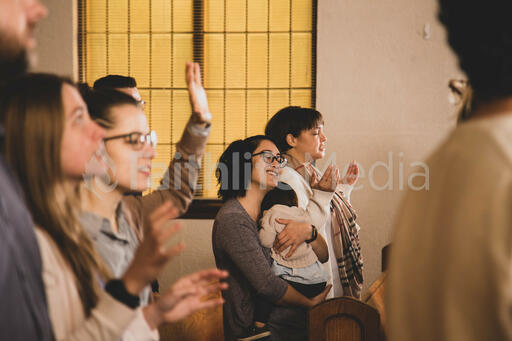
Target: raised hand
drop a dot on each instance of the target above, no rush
(352, 174)
(153, 253)
(329, 180)
(197, 94)
(187, 296)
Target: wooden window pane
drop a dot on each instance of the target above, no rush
(96, 16)
(301, 61)
(235, 60)
(279, 15)
(161, 61)
(160, 164)
(216, 104)
(139, 59)
(301, 98)
(213, 60)
(257, 16)
(302, 15)
(235, 115)
(278, 99)
(235, 16)
(117, 56)
(96, 56)
(182, 53)
(139, 15)
(161, 115)
(182, 16)
(279, 60)
(118, 16)
(161, 16)
(180, 113)
(257, 60)
(256, 112)
(213, 15)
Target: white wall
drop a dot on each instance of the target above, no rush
(382, 88)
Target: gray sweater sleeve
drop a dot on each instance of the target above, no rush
(240, 241)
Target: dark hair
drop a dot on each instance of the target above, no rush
(234, 168)
(291, 120)
(100, 101)
(115, 82)
(283, 194)
(481, 35)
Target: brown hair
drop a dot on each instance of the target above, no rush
(31, 110)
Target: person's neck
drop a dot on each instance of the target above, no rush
(299, 156)
(101, 203)
(251, 202)
(492, 108)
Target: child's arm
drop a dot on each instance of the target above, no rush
(267, 232)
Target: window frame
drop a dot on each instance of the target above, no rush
(206, 208)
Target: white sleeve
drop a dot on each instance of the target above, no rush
(315, 202)
(346, 190)
(139, 330)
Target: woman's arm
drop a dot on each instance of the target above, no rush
(180, 179)
(319, 246)
(240, 241)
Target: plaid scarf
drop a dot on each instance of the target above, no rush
(345, 237)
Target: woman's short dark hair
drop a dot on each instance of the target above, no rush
(115, 82)
(235, 165)
(291, 120)
(481, 35)
(100, 101)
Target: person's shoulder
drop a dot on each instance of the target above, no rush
(231, 213)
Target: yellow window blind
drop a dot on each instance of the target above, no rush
(257, 56)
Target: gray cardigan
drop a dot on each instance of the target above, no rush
(237, 248)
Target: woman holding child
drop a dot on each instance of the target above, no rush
(248, 169)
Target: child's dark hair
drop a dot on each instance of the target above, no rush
(283, 194)
(235, 166)
(100, 101)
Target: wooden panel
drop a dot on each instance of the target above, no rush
(344, 318)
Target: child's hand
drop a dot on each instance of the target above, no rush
(293, 235)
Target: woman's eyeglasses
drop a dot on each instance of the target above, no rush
(268, 157)
(137, 140)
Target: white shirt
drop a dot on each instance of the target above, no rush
(450, 274)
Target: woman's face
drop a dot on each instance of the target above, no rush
(311, 142)
(265, 175)
(81, 138)
(131, 161)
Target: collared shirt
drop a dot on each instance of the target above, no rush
(117, 249)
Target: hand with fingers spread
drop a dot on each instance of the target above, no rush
(197, 95)
(152, 254)
(329, 180)
(352, 174)
(293, 235)
(186, 296)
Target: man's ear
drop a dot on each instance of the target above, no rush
(291, 140)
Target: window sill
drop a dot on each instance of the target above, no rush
(203, 209)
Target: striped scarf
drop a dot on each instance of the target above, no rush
(345, 238)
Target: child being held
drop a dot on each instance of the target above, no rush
(302, 270)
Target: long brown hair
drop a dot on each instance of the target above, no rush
(31, 110)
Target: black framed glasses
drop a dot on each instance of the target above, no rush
(269, 157)
(137, 140)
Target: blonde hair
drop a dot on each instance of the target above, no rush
(32, 113)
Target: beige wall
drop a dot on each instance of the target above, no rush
(382, 87)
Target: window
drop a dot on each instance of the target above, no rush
(257, 56)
